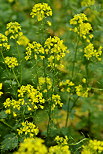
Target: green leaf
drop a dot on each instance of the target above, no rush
(10, 142)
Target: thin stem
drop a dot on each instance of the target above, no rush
(20, 62)
(66, 123)
(74, 61)
(5, 123)
(73, 70)
(16, 77)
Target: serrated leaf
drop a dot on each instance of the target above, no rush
(10, 142)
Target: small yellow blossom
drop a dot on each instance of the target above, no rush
(10, 1)
(81, 91)
(93, 147)
(49, 23)
(81, 26)
(90, 52)
(34, 98)
(11, 62)
(28, 129)
(44, 83)
(13, 106)
(55, 50)
(32, 146)
(41, 10)
(61, 147)
(23, 40)
(56, 100)
(3, 42)
(87, 2)
(66, 85)
(14, 30)
(84, 80)
(0, 89)
(36, 49)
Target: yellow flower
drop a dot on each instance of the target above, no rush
(41, 10)
(14, 30)
(61, 148)
(87, 2)
(44, 83)
(56, 101)
(3, 42)
(31, 146)
(23, 40)
(55, 50)
(93, 147)
(49, 23)
(34, 98)
(36, 49)
(81, 26)
(0, 89)
(28, 129)
(13, 106)
(90, 52)
(66, 85)
(11, 62)
(83, 92)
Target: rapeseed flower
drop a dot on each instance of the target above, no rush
(28, 129)
(34, 98)
(14, 30)
(93, 147)
(36, 49)
(31, 146)
(61, 147)
(0, 89)
(41, 10)
(81, 26)
(23, 40)
(55, 50)
(90, 52)
(4, 42)
(11, 62)
(87, 2)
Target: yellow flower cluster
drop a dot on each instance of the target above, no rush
(11, 62)
(3, 42)
(61, 148)
(81, 91)
(0, 89)
(55, 49)
(13, 106)
(14, 30)
(66, 86)
(41, 10)
(10, 1)
(32, 146)
(36, 48)
(87, 2)
(28, 129)
(56, 100)
(93, 147)
(44, 84)
(35, 98)
(23, 40)
(82, 27)
(90, 52)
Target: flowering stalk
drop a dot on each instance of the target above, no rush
(73, 70)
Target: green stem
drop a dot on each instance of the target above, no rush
(5, 123)
(20, 63)
(66, 123)
(73, 70)
(16, 77)
(74, 61)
